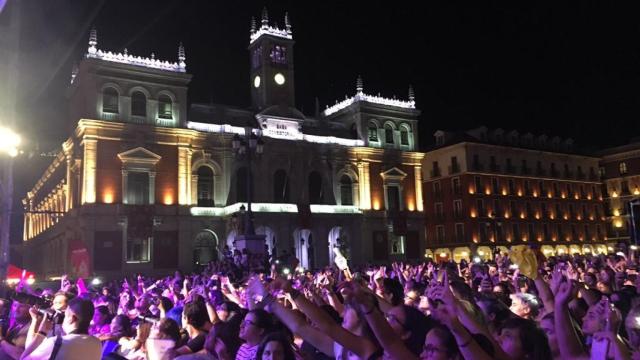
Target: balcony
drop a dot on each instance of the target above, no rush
(435, 173)
(454, 169)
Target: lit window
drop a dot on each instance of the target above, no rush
(138, 104)
(373, 132)
(623, 168)
(110, 101)
(388, 134)
(165, 110)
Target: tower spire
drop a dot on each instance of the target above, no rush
(181, 57)
(359, 85)
(265, 17)
(93, 41)
(412, 96)
(287, 24)
(253, 24)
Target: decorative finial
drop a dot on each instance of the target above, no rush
(359, 85)
(181, 57)
(126, 52)
(74, 72)
(253, 25)
(265, 17)
(412, 96)
(153, 56)
(287, 24)
(93, 41)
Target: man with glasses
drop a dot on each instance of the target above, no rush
(252, 329)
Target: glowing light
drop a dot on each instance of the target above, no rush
(167, 198)
(369, 98)
(286, 271)
(89, 171)
(506, 215)
(549, 195)
(475, 239)
(270, 30)
(636, 191)
(634, 247)
(477, 259)
(539, 238)
(481, 253)
(107, 196)
(554, 238)
(443, 255)
(610, 248)
(521, 215)
(508, 238)
(31, 281)
(472, 191)
(256, 82)
(614, 194)
(591, 217)
(524, 239)
(410, 206)
(616, 212)
(566, 217)
(376, 204)
(464, 254)
(537, 215)
(473, 213)
(279, 79)
(587, 250)
(504, 192)
(617, 223)
(297, 136)
(125, 58)
(561, 251)
(563, 195)
(334, 209)
(487, 191)
(589, 197)
(519, 192)
(96, 281)
(535, 194)
(577, 197)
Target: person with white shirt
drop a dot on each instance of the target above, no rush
(76, 344)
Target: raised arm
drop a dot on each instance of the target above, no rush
(359, 345)
(568, 340)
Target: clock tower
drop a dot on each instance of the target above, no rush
(271, 69)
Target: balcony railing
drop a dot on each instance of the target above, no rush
(454, 169)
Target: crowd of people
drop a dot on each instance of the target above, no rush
(520, 305)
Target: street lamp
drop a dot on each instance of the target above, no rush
(9, 142)
(246, 148)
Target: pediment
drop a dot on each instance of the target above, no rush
(393, 173)
(139, 155)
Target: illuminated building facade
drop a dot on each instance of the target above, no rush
(620, 173)
(486, 190)
(147, 183)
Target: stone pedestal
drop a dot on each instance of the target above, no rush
(253, 243)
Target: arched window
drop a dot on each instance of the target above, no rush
(280, 187)
(110, 100)
(138, 104)
(205, 186)
(388, 134)
(315, 188)
(165, 107)
(404, 135)
(346, 190)
(373, 132)
(241, 185)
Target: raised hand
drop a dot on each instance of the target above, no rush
(256, 287)
(565, 293)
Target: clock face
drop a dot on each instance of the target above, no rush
(256, 82)
(279, 79)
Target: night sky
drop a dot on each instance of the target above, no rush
(560, 68)
(567, 69)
